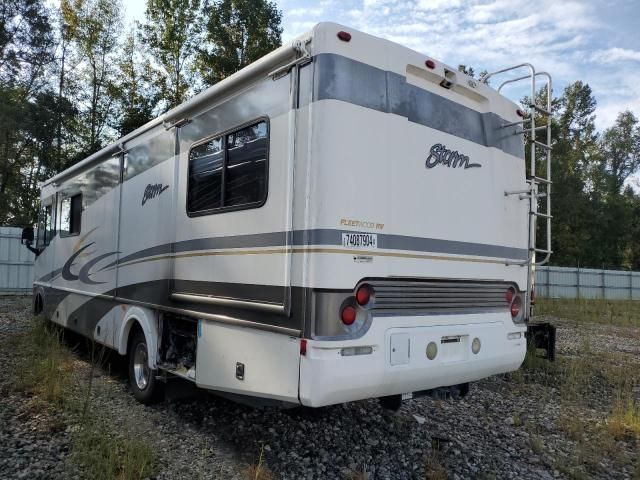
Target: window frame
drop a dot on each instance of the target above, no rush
(223, 134)
(44, 237)
(62, 233)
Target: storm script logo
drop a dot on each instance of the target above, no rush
(440, 155)
(152, 191)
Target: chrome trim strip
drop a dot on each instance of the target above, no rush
(215, 317)
(228, 302)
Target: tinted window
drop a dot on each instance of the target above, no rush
(70, 215)
(45, 227)
(229, 171)
(205, 176)
(246, 177)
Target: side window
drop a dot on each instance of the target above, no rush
(45, 227)
(229, 171)
(70, 215)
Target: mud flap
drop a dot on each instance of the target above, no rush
(543, 336)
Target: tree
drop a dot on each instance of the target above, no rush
(94, 26)
(171, 33)
(238, 32)
(620, 147)
(471, 71)
(135, 92)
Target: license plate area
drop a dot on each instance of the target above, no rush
(454, 348)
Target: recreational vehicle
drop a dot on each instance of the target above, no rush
(343, 219)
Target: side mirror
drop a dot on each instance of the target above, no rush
(27, 236)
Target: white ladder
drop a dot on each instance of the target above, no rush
(538, 186)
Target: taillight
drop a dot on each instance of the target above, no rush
(430, 64)
(303, 346)
(515, 307)
(348, 315)
(509, 296)
(363, 294)
(344, 36)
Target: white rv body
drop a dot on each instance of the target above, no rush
(375, 175)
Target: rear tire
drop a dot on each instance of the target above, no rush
(144, 385)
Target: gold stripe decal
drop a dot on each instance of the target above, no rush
(320, 250)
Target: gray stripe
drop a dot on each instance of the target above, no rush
(341, 78)
(326, 237)
(333, 237)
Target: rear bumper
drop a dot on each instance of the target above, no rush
(398, 362)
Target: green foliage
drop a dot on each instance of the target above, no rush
(171, 33)
(238, 33)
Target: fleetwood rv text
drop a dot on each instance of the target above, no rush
(343, 219)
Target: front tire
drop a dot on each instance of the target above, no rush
(144, 385)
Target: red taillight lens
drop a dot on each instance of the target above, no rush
(515, 307)
(509, 296)
(303, 346)
(344, 36)
(363, 294)
(430, 64)
(348, 315)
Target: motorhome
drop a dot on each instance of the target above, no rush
(343, 219)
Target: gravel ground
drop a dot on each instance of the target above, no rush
(522, 425)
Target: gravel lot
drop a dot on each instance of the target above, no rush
(524, 425)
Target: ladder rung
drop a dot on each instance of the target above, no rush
(543, 215)
(537, 129)
(515, 124)
(539, 180)
(539, 250)
(542, 145)
(540, 109)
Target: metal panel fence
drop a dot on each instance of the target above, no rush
(569, 282)
(16, 263)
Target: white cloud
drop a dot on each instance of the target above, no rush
(615, 55)
(567, 38)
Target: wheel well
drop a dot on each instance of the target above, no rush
(135, 328)
(37, 304)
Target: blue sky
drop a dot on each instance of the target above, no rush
(596, 41)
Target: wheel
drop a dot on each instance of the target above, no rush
(144, 385)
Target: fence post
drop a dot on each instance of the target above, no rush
(630, 285)
(548, 283)
(578, 283)
(604, 292)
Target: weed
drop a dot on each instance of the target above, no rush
(536, 444)
(259, 471)
(434, 468)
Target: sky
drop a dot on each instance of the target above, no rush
(596, 41)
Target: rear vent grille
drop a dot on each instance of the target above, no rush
(439, 295)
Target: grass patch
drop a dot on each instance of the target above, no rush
(44, 370)
(624, 420)
(105, 456)
(608, 312)
(44, 364)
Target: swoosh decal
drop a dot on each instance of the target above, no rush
(66, 269)
(85, 273)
